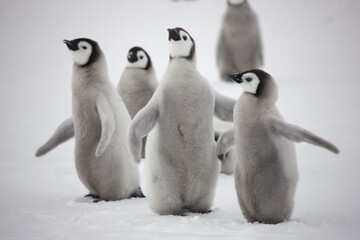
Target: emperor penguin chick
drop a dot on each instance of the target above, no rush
(137, 83)
(136, 86)
(181, 168)
(239, 46)
(266, 170)
(100, 124)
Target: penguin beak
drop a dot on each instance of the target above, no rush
(236, 77)
(132, 57)
(174, 34)
(70, 45)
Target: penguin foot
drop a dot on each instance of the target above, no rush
(138, 194)
(92, 195)
(204, 211)
(200, 211)
(99, 200)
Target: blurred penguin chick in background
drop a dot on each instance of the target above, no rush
(239, 45)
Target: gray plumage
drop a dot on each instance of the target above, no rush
(100, 122)
(239, 46)
(266, 171)
(181, 168)
(137, 83)
(228, 159)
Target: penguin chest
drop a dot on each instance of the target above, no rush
(186, 114)
(135, 90)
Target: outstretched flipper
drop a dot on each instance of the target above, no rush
(107, 124)
(298, 134)
(141, 125)
(225, 141)
(63, 133)
(224, 107)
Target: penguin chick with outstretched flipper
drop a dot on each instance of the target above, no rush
(266, 170)
(181, 168)
(100, 124)
(239, 46)
(136, 86)
(137, 83)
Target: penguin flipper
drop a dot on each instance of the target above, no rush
(220, 49)
(107, 124)
(224, 107)
(141, 125)
(216, 135)
(298, 134)
(64, 132)
(225, 141)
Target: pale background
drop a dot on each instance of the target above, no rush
(312, 48)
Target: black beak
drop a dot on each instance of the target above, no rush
(70, 45)
(236, 77)
(132, 57)
(174, 34)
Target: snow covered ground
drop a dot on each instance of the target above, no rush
(311, 48)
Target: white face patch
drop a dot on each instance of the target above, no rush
(182, 47)
(140, 63)
(236, 2)
(250, 82)
(82, 55)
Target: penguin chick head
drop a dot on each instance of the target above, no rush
(83, 50)
(138, 58)
(255, 81)
(235, 2)
(181, 44)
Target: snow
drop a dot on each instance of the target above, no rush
(311, 49)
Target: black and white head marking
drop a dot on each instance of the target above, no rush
(181, 44)
(236, 2)
(138, 58)
(83, 50)
(252, 81)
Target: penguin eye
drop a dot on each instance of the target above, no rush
(84, 47)
(248, 79)
(141, 56)
(185, 38)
